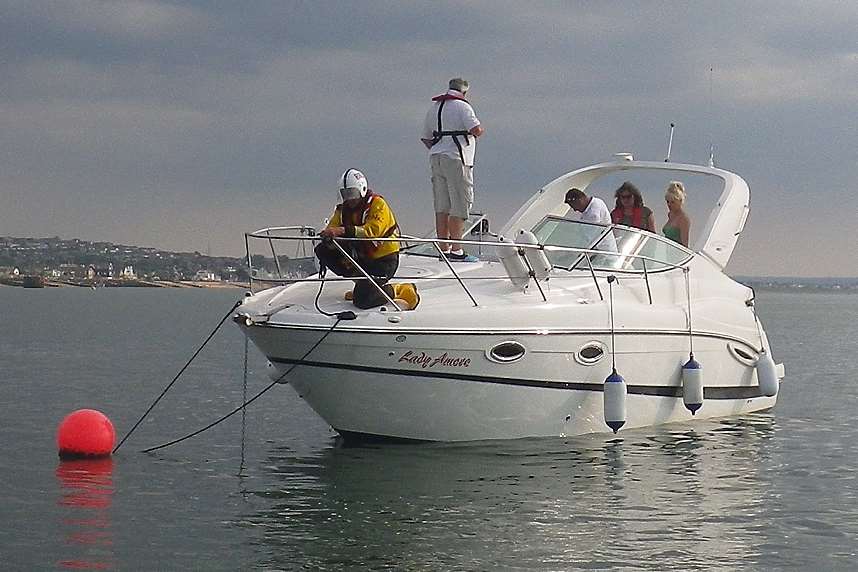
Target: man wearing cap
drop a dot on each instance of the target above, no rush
(450, 133)
(364, 214)
(594, 210)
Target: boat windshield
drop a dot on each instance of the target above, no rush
(622, 245)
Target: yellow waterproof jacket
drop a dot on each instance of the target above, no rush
(372, 219)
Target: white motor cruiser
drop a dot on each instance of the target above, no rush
(562, 327)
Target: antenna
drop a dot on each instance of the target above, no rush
(669, 144)
(711, 115)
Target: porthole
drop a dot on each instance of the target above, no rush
(590, 353)
(743, 354)
(506, 352)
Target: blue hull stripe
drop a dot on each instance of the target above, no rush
(735, 392)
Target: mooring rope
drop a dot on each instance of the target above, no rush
(690, 330)
(244, 408)
(347, 315)
(181, 371)
(611, 280)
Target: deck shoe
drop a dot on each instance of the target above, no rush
(406, 296)
(462, 257)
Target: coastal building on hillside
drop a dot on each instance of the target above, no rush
(72, 271)
(206, 276)
(233, 274)
(93, 272)
(128, 273)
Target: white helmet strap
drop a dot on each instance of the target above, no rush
(346, 176)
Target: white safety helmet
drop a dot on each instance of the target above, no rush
(352, 185)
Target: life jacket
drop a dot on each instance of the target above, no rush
(357, 217)
(439, 133)
(637, 216)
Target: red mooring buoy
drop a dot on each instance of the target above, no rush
(85, 433)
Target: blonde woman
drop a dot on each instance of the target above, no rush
(678, 225)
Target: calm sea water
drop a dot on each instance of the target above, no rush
(768, 491)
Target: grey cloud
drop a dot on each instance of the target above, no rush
(251, 109)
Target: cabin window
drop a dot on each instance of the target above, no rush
(743, 354)
(506, 352)
(590, 353)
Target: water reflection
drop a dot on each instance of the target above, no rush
(86, 489)
(676, 496)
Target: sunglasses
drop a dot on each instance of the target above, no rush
(626, 196)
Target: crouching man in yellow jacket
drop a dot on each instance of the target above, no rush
(364, 214)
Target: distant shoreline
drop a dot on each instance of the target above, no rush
(96, 285)
(792, 284)
(780, 284)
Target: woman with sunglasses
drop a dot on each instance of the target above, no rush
(630, 210)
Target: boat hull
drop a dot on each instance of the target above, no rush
(445, 386)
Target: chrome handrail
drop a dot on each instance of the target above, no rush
(265, 233)
(453, 270)
(586, 254)
(366, 275)
(274, 255)
(551, 247)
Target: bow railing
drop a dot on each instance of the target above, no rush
(588, 260)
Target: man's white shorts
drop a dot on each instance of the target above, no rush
(452, 186)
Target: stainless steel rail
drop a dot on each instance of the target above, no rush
(586, 254)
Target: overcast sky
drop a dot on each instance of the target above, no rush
(181, 125)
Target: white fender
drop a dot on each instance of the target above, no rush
(692, 385)
(514, 264)
(767, 376)
(536, 257)
(615, 401)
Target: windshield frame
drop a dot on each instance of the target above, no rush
(578, 263)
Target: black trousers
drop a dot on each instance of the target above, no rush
(381, 269)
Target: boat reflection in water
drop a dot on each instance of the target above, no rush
(681, 493)
(86, 489)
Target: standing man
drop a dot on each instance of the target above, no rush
(450, 133)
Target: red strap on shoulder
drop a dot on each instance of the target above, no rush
(447, 96)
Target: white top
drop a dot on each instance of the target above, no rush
(457, 115)
(596, 212)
